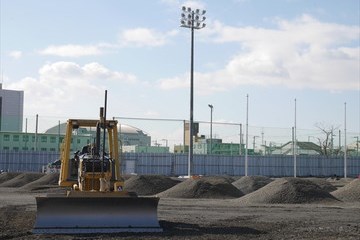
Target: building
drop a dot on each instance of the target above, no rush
(130, 135)
(145, 149)
(203, 145)
(181, 148)
(187, 132)
(216, 147)
(50, 141)
(11, 110)
(19, 141)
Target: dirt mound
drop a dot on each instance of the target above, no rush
(350, 192)
(43, 182)
(230, 179)
(249, 184)
(288, 190)
(339, 182)
(22, 179)
(205, 187)
(149, 184)
(6, 176)
(323, 184)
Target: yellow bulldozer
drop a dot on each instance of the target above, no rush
(96, 200)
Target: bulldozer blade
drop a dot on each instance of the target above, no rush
(78, 215)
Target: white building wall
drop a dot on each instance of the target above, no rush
(12, 110)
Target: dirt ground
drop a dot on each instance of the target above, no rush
(204, 219)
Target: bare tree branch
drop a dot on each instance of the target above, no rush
(326, 143)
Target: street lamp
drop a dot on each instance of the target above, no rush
(211, 115)
(193, 19)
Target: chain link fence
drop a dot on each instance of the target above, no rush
(170, 132)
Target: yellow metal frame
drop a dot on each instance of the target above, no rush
(111, 127)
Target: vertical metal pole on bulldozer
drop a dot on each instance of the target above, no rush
(103, 119)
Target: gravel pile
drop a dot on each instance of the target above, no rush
(205, 187)
(6, 176)
(288, 190)
(339, 182)
(22, 179)
(350, 192)
(323, 184)
(43, 182)
(249, 184)
(258, 189)
(149, 184)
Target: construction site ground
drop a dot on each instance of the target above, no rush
(203, 218)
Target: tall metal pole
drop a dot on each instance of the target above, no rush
(59, 143)
(192, 19)
(191, 98)
(211, 117)
(247, 134)
(103, 119)
(295, 143)
(240, 140)
(26, 135)
(36, 132)
(345, 148)
(184, 141)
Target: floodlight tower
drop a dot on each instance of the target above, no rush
(193, 19)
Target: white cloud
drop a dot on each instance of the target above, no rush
(141, 37)
(97, 71)
(63, 87)
(303, 53)
(71, 50)
(15, 54)
(174, 83)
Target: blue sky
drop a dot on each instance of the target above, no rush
(64, 54)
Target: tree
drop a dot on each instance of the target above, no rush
(326, 142)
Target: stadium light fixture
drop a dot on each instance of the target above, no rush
(193, 19)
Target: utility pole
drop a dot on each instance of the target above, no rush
(240, 139)
(247, 134)
(211, 119)
(295, 142)
(36, 132)
(345, 147)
